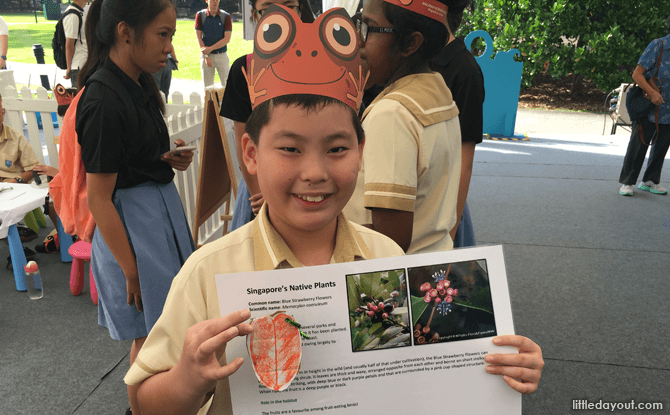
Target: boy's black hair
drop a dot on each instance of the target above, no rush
(455, 14)
(260, 116)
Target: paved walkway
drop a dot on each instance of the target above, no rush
(587, 268)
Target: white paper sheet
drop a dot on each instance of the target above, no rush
(349, 365)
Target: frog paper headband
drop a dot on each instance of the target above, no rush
(429, 8)
(292, 57)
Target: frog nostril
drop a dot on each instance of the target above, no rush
(314, 53)
(297, 52)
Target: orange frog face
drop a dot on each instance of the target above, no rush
(293, 57)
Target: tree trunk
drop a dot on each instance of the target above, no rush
(577, 87)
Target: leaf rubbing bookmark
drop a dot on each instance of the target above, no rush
(274, 348)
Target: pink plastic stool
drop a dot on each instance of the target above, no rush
(81, 252)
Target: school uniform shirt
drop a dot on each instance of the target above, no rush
(71, 29)
(16, 154)
(116, 139)
(193, 297)
(236, 103)
(465, 80)
(412, 159)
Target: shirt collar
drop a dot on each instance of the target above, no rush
(272, 252)
(137, 92)
(209, 14)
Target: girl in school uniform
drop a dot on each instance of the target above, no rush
(408, 186)
(142, 237)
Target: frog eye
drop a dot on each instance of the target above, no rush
(275, 32)
(338, 35)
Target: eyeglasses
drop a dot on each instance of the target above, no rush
(363, 29)
(294, 8)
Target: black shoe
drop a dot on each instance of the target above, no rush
(129, 412)
(29, 253)
(26, 234)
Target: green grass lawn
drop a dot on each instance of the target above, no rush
(24, 33)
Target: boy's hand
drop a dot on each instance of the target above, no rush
(204, 345)
(256, 203)
(182, 161)
(521, 371)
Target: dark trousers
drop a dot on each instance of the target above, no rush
(632, 163)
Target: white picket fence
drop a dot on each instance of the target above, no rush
(184, 122)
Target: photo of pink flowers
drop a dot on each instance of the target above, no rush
(451, 302)
(378, 310)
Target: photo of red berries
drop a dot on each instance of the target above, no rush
(378, 310)
(451, 302)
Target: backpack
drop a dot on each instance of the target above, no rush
(68, 188)
(58, 41)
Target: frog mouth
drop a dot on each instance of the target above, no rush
(344, 71)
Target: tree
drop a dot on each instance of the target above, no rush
(598, 40)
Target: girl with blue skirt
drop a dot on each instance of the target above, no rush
(142, 237)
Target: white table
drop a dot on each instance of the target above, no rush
(15, 201)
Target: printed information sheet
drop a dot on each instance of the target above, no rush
(406, 333)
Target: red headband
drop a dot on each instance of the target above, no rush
(429, 8)
(292, 57)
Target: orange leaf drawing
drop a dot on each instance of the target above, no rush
(274, 348)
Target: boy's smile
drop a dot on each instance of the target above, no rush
(307, 165)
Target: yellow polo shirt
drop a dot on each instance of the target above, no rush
(16, 155)
(412, 159)
(193, 298)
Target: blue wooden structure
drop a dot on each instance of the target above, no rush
(502, 82)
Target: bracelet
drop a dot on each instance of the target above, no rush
(205, 56)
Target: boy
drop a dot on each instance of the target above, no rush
(307, 176)
(18, 157)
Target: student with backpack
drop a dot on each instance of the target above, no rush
(213, 29)
(142, 237)
(69, 42)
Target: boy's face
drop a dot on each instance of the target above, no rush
(307, 165)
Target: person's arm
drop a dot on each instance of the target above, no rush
(396, 224)
(26, 176)
(174, 55)
(69, 54)
(467, 157)
(654, 94)
(198, 35)
(4, 45)
(186, 387)
(521, 371)
(100, 188)
(221, 43)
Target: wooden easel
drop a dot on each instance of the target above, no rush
(216, 179)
